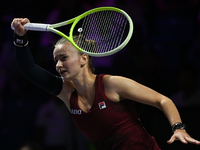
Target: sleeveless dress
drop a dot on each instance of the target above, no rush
(110, 125)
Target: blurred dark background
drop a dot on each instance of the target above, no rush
(163, 54)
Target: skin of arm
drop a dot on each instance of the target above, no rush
(119, 88)
(124, 88)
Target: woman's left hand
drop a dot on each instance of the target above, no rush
(183, 136)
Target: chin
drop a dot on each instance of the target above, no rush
(66, 78)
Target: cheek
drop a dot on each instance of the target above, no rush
(74, 63)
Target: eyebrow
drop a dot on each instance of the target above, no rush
(59, 55)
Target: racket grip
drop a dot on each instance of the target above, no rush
(35, 27)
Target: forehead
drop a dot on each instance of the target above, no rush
(65, 48)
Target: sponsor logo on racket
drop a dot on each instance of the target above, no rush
(102, 105)
(76, 112)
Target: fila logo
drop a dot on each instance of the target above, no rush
(102, 105)
(19, 41)
(75, 111)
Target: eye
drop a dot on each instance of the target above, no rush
(64, 58)
(55, 60)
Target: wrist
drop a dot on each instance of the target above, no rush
(20, 41)
(178, 125)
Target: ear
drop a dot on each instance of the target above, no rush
(84, 59)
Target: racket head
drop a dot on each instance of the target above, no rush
(101, 31)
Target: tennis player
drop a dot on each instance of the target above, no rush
(101, 105)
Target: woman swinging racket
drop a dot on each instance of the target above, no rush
(101, 105)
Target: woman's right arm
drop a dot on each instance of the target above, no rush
(40, 77)
(26, 64)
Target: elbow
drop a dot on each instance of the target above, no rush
(163, 102)
(24, 70)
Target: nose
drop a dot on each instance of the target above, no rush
(58, 65)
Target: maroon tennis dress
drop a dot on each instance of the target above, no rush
(110, 125)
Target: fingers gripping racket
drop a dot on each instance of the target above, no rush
(100, 32)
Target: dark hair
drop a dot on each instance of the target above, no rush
(88, 42)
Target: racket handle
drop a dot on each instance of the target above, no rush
(35, 27)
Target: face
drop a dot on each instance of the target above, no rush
(68, 60)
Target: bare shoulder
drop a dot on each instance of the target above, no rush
(110, 80)
(118, 88)
(112, 85)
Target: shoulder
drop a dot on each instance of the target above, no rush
(113, 85)
(110, 80)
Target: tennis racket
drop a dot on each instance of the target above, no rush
(99, 32)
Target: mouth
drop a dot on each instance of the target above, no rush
(61, 72)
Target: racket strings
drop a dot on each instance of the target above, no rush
(84, 43)
(115, 43)
(106, 14)
(102, 31)
(121, 29)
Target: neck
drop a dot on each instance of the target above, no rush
(85, 85)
